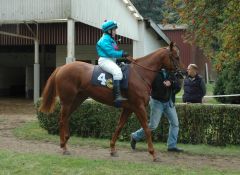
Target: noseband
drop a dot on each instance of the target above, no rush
(178, 72)
(173, 62)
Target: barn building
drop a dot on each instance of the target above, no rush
(189, 53)
(36, 36)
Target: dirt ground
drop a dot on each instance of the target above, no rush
(15, 112)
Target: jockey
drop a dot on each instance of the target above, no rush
(108, 53)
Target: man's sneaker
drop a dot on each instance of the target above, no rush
(175, 149)
(132, 142)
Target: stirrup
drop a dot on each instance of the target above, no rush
(120, 98)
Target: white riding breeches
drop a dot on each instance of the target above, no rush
(111, 67)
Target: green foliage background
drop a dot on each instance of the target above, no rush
(214, 26)
(157, 10)
(228, 82)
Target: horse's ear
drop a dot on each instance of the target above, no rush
(171, 45)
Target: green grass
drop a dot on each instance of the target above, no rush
(32, 131)
(2, 120)
(209, 89)
(39, 164)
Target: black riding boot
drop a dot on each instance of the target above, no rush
(117, 91)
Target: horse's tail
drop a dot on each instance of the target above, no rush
(49, 94)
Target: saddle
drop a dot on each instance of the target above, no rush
(105, 79)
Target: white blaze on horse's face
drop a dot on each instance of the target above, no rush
(178, 52)
(176, 57)
(174, 61)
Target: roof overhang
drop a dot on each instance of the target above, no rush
(157, 29)
(173, 27)
(32, 21)
(133, 10)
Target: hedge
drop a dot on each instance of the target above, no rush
(199, 123)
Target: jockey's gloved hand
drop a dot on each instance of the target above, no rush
(125, 54)
(119, 60)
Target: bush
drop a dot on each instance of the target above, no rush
(92, 119)
(199, 123)
(209, 124)
(228, 82)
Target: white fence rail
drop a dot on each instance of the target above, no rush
(217, 96)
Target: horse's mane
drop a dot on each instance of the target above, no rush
(151, 54)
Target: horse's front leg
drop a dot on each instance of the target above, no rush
(142, 117)
(122, 120)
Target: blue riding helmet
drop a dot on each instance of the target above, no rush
(108, 25)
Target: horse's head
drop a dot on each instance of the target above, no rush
(172, 59)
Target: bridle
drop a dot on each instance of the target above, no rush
(146, 68)
(174, 62)
(155, 71)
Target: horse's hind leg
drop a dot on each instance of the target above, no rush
(77, 102)
(122, 120)
(63, 126)
(64, 120)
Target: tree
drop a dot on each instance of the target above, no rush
(228, 82)
(213, 25)
(152, 9)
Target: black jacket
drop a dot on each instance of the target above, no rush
(194, 89)
(161, 92)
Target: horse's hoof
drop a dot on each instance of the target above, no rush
(133, 150)
(157, 159)
(66, 152)
(114, 154)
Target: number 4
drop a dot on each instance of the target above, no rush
(102, 78)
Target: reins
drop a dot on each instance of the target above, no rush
(148, 85)
(134, 62)
(146, 68)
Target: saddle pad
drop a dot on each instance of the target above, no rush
(103, 78)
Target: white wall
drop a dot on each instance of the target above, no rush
(151, 42)
(91, 12)
(27, 10)
(148, 41)
(138, 45)
(94, 12)
(83, 52)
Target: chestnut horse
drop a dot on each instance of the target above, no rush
(71, 83)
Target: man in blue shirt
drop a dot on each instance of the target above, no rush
(162, 100)
(108, 53)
